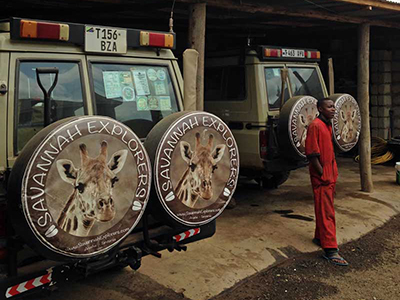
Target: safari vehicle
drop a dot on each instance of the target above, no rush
(77, 102)
(267, 96)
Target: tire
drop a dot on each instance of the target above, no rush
(174, 146)
(346, 122)
(295, 117)
(275, 180)
(46, 189)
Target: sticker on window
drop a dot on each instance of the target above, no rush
(152, 103)
(112, 84)
(141, 103)
(165, 102)
(152, 74)
(277, 72)
(161, 74)
(128, 94)
(159, 87)
(141, 83)
(127, 90)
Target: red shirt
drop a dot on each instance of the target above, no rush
(319, 143)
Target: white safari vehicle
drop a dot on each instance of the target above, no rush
(99, 164)
(267, 95)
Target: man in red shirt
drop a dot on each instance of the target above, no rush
(324, 173)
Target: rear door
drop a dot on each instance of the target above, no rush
(26, 104)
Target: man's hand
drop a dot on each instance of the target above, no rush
(314, 161)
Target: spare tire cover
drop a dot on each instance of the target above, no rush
(80, 186)
(196, 166)
(295, 117)
(346, 123)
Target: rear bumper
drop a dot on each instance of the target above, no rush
(46, 275)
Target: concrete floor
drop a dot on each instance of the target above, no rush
(264, 228)
(268, 226)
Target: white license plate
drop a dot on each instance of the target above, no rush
(105, 39)
(292, 53)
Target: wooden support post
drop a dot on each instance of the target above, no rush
(197, 33)
(331, 77)
(363, 101)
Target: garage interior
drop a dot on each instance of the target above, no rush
(336, 28)
(329, 26)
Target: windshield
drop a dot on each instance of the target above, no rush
(137, 95)
(305, 81)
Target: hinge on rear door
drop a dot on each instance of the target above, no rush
(4, 173)
(3, 88)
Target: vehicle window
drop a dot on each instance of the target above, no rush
(66, 98)
(137, 95)
(305, 81)
(274, 87)
(213, 88)
(225, 84)
(235, 83)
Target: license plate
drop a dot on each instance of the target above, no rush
(105, 39)
(292, 53)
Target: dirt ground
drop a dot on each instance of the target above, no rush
(263, 250)
(373, 274)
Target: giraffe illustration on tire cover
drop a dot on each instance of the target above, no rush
(91, 200)
(196, 180)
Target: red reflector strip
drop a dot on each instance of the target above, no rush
(48, 31)
(157, 40)
(28, 285)
(272, 52)
(187, 234)
(263, 144)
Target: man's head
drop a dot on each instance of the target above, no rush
(326, 107)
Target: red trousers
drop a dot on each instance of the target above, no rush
(325, 229)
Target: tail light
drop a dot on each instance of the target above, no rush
(43, 30)
(272, 52)
(313, 54)
(162, 40)
(3, 231)
(263, 144)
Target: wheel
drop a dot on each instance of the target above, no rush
(275, 179)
